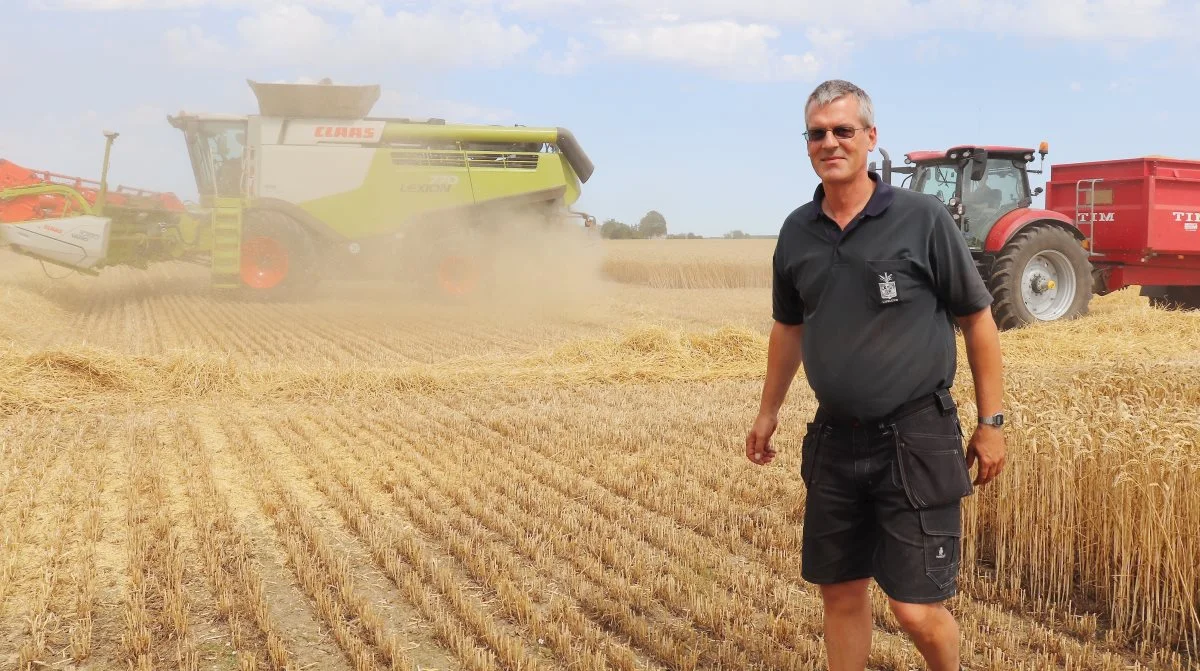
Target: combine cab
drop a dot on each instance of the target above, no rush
(1108, 225)
(313, 187)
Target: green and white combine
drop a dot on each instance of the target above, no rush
(314, 187)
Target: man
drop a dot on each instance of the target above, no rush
(869, 281)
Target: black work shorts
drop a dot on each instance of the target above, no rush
(884, 502)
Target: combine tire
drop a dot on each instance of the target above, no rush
(278, 259)
(1041, 275)
(459, 275)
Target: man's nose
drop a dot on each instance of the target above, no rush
(830, 141)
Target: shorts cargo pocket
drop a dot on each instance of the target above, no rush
(933, 469)
(810, 454)
(891, 281)
(942, 535)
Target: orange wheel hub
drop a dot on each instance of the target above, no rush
(458, 275)
(264, 262)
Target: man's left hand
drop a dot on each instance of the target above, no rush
(986, 447)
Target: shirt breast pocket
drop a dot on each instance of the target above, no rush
(891, 282)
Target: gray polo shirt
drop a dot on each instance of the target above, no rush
(876, 300)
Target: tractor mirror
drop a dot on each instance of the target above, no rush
(978, 164)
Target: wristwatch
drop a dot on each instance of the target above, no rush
(996, 420)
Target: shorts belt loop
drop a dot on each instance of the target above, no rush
(945, 402)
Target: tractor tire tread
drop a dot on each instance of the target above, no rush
(1004, 279)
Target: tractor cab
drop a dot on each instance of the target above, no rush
(978, 184)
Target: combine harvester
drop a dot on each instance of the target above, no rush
(310, 188)
(1108, 225)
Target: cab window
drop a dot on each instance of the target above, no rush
(939, 180)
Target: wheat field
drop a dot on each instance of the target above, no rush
(369, 480)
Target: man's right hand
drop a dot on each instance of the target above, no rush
(758, 442)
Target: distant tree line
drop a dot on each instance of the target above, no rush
(654, 225)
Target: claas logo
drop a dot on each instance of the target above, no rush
(344, 132)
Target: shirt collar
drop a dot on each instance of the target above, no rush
(880, 199)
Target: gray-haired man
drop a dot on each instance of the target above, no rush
(869, 281)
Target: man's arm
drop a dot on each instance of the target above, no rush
(983, 353)
(784, 358)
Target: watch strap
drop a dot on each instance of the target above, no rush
(993, 420)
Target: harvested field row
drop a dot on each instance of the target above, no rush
(423, 516)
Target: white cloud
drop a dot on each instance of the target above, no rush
(191, 46)
(565, 63)
(345, 6)
(395, 104)
(742, 39)
(830, 40)
(1076, 87)
(934, 49)
(284, 33)
(467, 38)
(727, 48)
(292, 35)
(1067, 19)
(1120, 19)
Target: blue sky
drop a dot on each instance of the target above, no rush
(690, 107)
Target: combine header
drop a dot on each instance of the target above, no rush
(1108, 225)
(81, 224)
(312, 187)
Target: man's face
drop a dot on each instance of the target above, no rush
(835, 159)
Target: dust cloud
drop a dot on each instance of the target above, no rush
(524, 267)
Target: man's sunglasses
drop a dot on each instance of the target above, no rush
(841, 133)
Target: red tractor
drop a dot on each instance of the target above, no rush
(1107, 225)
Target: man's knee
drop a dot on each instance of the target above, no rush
(846, 597)
(917, 618)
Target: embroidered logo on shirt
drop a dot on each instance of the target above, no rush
(887, 289)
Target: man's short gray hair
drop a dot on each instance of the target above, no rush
(831, 90)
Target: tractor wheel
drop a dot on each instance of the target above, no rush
(1041, 275)
(278, 258)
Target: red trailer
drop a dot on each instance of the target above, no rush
(1141, 222)
(1107, 225)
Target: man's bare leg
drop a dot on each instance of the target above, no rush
(933, 630)
(847, 625)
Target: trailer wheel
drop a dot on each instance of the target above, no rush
(1042, 274)
(278, 258)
